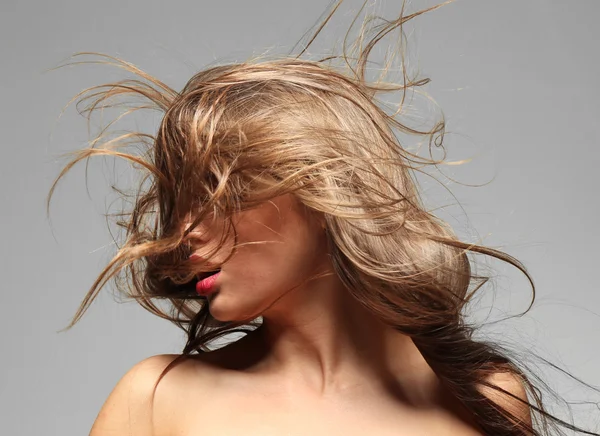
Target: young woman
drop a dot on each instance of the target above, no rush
(278, 201)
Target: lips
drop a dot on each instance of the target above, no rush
(207, 282)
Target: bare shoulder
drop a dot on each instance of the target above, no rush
(515, 399)
(143, 401)
(511, 401)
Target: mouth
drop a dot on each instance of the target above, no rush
(207, 285)
(190, 289)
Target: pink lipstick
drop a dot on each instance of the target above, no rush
(207, 285)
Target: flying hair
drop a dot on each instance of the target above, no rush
(240, 134)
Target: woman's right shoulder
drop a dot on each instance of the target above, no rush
(146, 399)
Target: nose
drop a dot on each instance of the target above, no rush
(203, 234)
(198, 235)
(194, 241)
(188, 221)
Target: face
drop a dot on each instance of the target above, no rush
(279, 246)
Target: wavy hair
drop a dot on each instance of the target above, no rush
(240, 134)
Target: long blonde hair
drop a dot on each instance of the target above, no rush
(240, 134)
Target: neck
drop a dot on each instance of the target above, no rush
(320, 338)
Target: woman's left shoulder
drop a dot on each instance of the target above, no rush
(514, 399)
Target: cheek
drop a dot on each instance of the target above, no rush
(278, 250)
(275, 267)
(257, 275)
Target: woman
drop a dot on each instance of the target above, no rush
(277, 201)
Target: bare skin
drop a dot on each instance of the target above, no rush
(320, 364)
(248, 398)
(232, 391)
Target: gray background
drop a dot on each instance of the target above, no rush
(517, 81)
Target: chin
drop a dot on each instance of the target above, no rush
(217, 310)
(224, 312)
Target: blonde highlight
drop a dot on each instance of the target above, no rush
(238, 135)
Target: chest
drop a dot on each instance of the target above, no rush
(262, 417)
